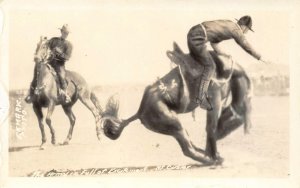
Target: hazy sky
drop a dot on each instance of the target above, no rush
(127, 44)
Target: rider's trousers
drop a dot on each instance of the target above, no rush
(59, 68)
(196, 40)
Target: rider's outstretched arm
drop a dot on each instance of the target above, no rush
(241, 40)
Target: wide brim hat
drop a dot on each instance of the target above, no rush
(64, 28)
(247, 21)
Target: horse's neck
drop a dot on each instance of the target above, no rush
(47, 77)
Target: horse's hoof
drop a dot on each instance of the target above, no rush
(42, 147)
(246, 132)
(53, 142)
(65, 143)
(219, 161)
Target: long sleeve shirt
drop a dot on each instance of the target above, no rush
(64, 46)
(220, 30)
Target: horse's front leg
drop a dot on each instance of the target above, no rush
(72, 118)
(38, 111)
(211, 125)
(48, 121)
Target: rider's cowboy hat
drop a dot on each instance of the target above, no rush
(64, 28)
(247, 21)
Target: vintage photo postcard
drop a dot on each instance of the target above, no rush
(149, 93)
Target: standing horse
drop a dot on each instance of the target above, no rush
(176, 92)
(46, 94)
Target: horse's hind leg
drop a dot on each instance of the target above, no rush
(188, 148)
(86, 100)
(48, 121)
(38, 111)
(162, 120)
(68, 111)
(212, 124)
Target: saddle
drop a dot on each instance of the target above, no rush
(56, 78)
(225, 67)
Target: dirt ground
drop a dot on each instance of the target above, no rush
(263, 153)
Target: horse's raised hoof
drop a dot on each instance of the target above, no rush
(112, 129)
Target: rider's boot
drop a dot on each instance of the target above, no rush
(202, 99)
(28, 98)
(63, 89)
(65, 95)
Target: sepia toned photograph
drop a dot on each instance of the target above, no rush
(148, 90)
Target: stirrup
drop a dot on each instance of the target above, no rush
(200, 102)
(64, 94)
(67, 98)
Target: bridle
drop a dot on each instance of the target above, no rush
(41, 57)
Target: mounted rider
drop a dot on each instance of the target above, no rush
(215, 32)
(61, 51)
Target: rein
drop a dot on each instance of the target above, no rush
(42, 57)
(43, 62)
(40, 88)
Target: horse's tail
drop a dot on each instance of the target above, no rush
(96, 102)
(111, 123)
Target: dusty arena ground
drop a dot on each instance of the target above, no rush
(263, 153)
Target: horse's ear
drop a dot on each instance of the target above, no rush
(43, 38)
(176, 48)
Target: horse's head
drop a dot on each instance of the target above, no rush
(41, 57)
(42, 52)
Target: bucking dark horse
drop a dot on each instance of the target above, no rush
(47, 94)
(176, 92)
